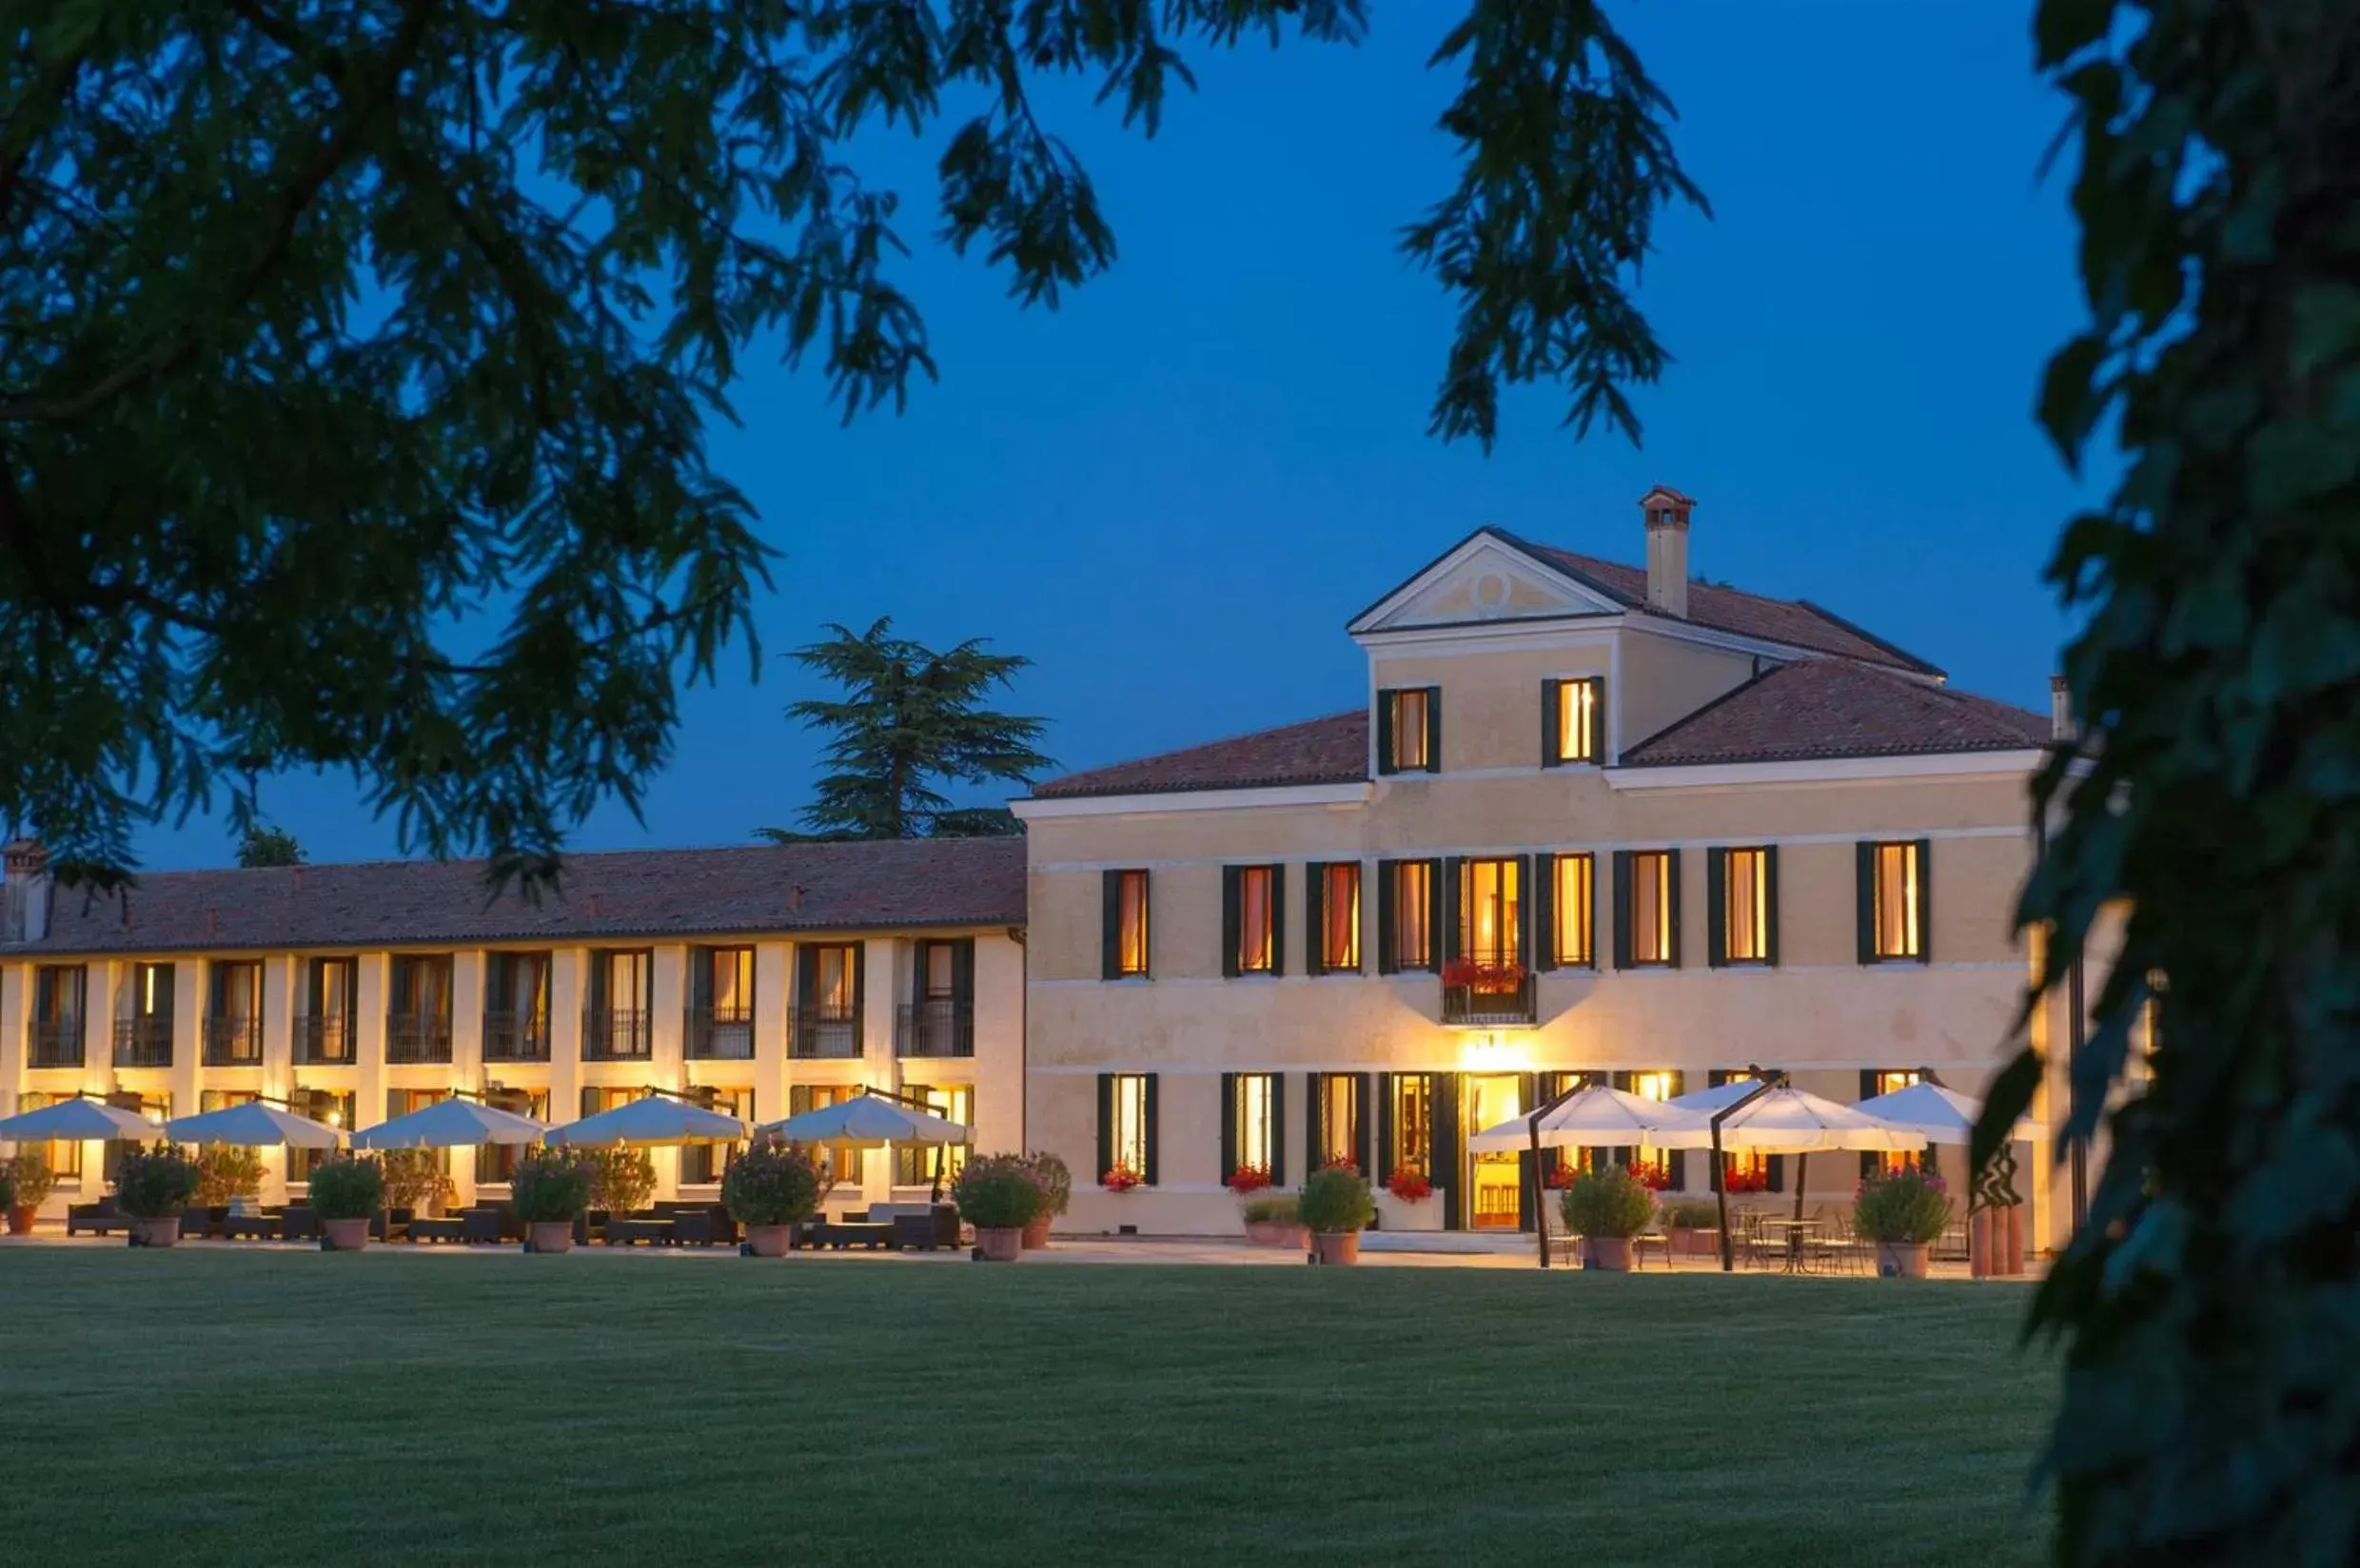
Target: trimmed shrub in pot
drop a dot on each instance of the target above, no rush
(1690, 1223)
(1055, 1178)
(1275, 1220)
(347, 1192)
(26, 1180)
(1336, 1206)
(549, 1192)
(770, 1189)
(1903, 1213)
(999, 1195)
(1606, 1208)
(621, 1180)
(415, 1180)
(153, 1185)
(226, 1173)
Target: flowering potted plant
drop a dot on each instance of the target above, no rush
(1120, 1178)
(770, 1189)
(1606, 1207)
(347, 1192)
(549, 1192)
(228, 1176)
(1335, 1205)
(1654, 1175)
(1056, 1180)
(415, 1180)
(1466, 974)
(1246, 1180)
(999, 1196)
(1902, 1213)
(25, 1181)
(1559, 1176)
(152, 1187)
(1275, 1219)
(1736, 1182)
(1406, 1201)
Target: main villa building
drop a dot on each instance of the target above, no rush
(1591, 818)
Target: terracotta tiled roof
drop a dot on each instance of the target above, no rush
(1321, 750)
(635, 893)
(1793, 624)
(1828, 708)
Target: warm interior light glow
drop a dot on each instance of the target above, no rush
(1652, 1086)
(1490, 1053)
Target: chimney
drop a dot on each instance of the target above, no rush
(24, 890)
(1666, 511)
(2060, 709)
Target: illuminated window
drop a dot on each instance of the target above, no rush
(1335, 1118)
(1251, 907)
(1336, 885)
(1251, 1135)
(836, 982)
(1887, 1161)
(330, 1109)
(1127, 1124)
(225, 1099)
(57, 1029)
(65, 1155)
(845, 1163)
(1577, 713)
(1572, 912)
(1745, 912)
(1647, 907)
(1893, 900)
(1491, 917)
(1410, 1140)
(1124, 954)
(914, 1163)
(495, 1164)
(702, 1164)
(1409, 730)
(151, 991)
(1407, 914)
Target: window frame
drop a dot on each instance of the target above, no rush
(1259, 883)
(1720, 872)
(1390, 750)
(1918, 945)
(1124, 953)
(1549, 882)
(1321, 955)
(1562, 712)
(1629, 864)
(1239, 1149)
(1127, 1125)
(1512, 901)
(1390, 904)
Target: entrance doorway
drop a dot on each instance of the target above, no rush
(1495, 1182)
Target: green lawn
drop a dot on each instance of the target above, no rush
(198, 1406)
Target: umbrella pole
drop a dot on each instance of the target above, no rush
(1540, 1188)
(1721, 1196)
(935, 1196)
(1802, 1172)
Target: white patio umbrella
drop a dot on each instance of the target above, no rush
(869, 1120)
(252, 1124)
(1931, 1113)
(653, 1122)
(79, 1121)
(452, 1124)
(1600, 1117)
(1789, 1121)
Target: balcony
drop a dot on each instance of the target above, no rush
(1488, 996)
(616, 1035)
(943, 1027)
(418, 1037)
(57, 1042)
(323, 1042)
(720, 1034)
(143, 1042)
(516, 1037)
(233, 1042)
(826, 1031)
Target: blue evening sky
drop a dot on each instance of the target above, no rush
(1174, 492)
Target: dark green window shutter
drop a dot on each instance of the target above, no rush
(1598, 722)
(1364, 1124)
(1278, 1130)
(1155, 1128)
(1278, 920)
(1382, 1156)
(1229, 1126)
(1523, 914)
(1715, 908)
(1671, 898)
(1229, 920)
(1447, 923)
(963, 971)
(1387, 880)
(1770, 889)
(1106, 1122)
(1314, 896)
(1551, 744)
(1527, 1173)
(1433, 729)
(1384, 732)
(1443, 1160)
(1864, 860)
(1314, 1128)
(589, 1099)
(1925, 901)
(1111, 927)
(1778, 1173)
(1621, 909)
(1868, 1091)
(1543, 919)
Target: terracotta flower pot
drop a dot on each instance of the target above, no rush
(549, 1236)
(769, 1241)
(1902, 1259)
(1335, 1247)
(1264, 1232)
(999, 1245)
(156, 1233)
(344, 1235)
(20, 1219)
(1611, 1253)
(1037, 1234)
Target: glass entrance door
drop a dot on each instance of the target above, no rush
(1495, 1182)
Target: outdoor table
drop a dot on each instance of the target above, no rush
(1797, 1232)
(447, 1228)
(623, 1232)
(259, 1227)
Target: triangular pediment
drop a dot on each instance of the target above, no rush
(1487, 579)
